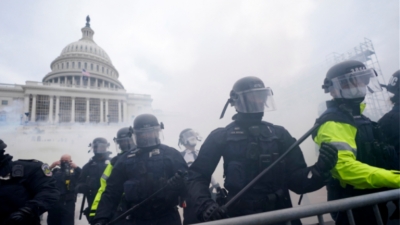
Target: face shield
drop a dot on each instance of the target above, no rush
(124, 144)
(99, 148)
(190, 138)
(355, 85)
(147, 137)
(254, 100)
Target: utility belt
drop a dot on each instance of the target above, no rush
(268, 203)
(149, 213)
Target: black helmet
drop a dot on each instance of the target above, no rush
(188, 137)
(146, 130)
(99, 145)
(124, 140)
(394, 84)
(2, 145)
(350, 80)
(249, 95)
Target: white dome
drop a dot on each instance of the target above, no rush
(84, 55)
(85, 46)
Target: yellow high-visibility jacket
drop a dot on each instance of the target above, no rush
(103, 184)
(348, 170)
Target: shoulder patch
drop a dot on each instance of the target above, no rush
(46, 170)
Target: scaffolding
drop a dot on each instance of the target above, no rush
(378, 103)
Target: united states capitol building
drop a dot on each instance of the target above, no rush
(82, 87)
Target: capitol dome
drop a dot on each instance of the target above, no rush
(84, 64)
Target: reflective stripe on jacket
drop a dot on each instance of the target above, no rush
(103, 184)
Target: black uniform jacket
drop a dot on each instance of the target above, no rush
(66, 184)
(26, 183)
(90, 176)
(390, 126)
(128, 177)
(295, 174)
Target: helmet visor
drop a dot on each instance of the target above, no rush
(124, 144)
(100, 148)
(190, 137)
(147, 137)
(254, 101)
(355, 84)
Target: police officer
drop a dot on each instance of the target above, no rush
(361, 157)
(89, 180)
(124, 143)
(66, 173)
(389, 123)
(248, 145)
(189, 138)
(26, 190)
(140, 173)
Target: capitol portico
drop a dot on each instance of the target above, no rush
(82, 87)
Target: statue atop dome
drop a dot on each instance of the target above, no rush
(88, 21)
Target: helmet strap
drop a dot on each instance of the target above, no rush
(226, 106)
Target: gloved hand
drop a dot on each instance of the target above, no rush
(20, 217)
(328, 156)
(99, 222)
(177, 181)
(214, 212)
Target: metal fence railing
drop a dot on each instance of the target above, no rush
(286, 215)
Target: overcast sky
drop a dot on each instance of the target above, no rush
(188, 54)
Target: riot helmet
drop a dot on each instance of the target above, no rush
(147, 132)
(99, 146)
(249, 95)
(2, 145)
(188, 137)
(124, 141)
(350, 80)
(394, 84)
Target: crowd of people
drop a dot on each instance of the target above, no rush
(147, 181)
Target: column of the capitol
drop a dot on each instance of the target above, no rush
(72, 109)
(107, 115)
(119, 111)
(26, 105)
(57, 109)
(51, 109)
(33, 116)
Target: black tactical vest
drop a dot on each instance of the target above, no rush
(247, 153)
(147, 172)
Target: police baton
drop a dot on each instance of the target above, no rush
(82, 206)
(258, 177)
(127, 212)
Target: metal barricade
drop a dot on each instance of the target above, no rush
(287, 215)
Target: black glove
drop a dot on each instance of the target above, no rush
(99, 222)
(20, 217)
(214, 212)
(177, 181)
(328, 156)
